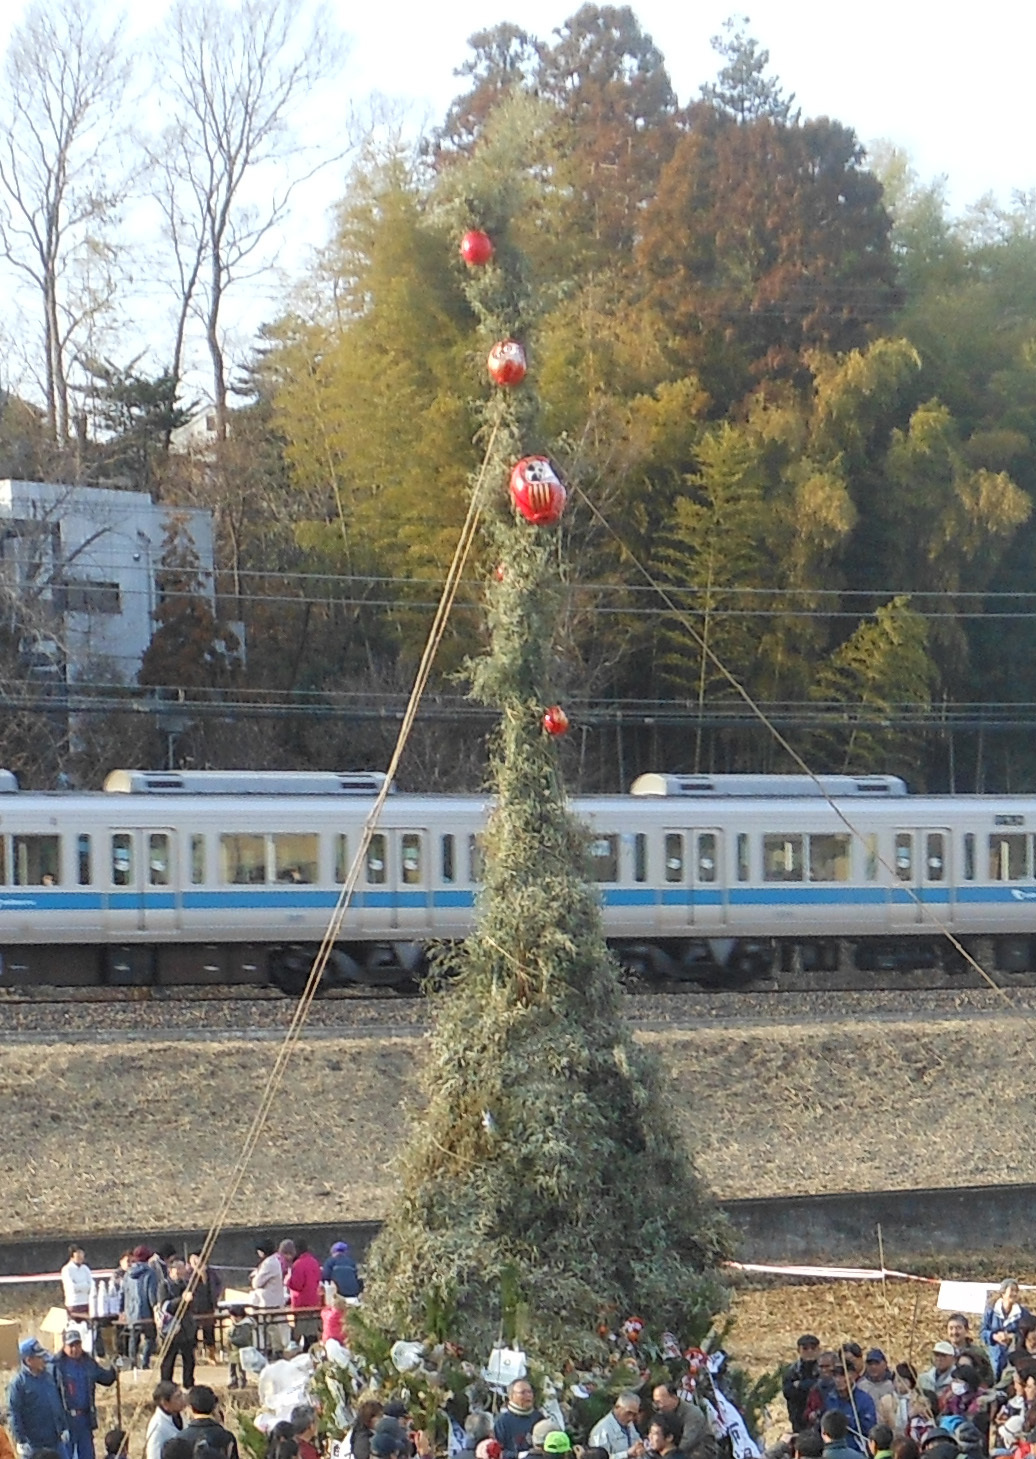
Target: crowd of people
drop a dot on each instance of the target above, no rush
(159, 1298)
(977, 1397)
(159, 1301)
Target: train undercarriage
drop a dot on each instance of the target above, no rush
(781, 963)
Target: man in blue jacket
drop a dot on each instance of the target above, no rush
(37, 1414)
(77, 1376)
(340, 1268)
(852, 1402)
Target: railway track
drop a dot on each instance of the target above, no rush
(239, 1015)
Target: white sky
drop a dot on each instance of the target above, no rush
(953, 88)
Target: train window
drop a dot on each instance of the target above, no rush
(295, 856)
(706, 860)
(905, 855)
(83, 876)
(604, 858)
(870, 854)
(36, 861)
(448, 865)
(782, 858)
(376, 860)
(969, 856)
(197, 860)
(3, 861)
(158, 859)
(341, 858)
(1008, 857)
(935, 856)
(410, 858)
(122, 859)
(476, 859)
(744, 865)
(829, 858)
(673, 856)
(242, 859)
(640, 857)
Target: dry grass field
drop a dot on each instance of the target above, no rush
(144, 1134)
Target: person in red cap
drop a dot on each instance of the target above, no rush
(139, 1299)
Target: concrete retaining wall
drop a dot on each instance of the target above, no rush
(800, 1229)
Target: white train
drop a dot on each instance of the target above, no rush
(230, 877)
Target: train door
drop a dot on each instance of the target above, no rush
(143, 891)
(924, 881)
(708, 880)
(397, 862)
(676, 881)
(694, 880)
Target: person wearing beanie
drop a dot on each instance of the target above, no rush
(340, 1268)
(514, 1424)
(140, 1298)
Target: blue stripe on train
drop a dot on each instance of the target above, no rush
(17, 901)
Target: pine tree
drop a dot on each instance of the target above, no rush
(546, 1163)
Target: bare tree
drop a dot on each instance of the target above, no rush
(65, 78)
(236, 74)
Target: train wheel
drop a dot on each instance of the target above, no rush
(748, 962)
(290, 968)
(383, 969)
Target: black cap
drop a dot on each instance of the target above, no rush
(808, 1340)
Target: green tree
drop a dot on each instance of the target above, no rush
(742, 90)
(881, 671)
(762, 242)
(136, 414)
(542, 1113)
(371, 391)
(191, 646)
(504, 59)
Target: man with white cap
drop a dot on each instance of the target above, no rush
(34, 1404)
(936, 1380)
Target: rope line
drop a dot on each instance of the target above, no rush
(320, 961)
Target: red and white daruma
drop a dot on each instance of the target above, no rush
(537, 491)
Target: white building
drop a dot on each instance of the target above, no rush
(78, 569)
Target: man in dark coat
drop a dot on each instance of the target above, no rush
(180, 1330)
(204, 1427)
(695, 1439)
(800, 1380)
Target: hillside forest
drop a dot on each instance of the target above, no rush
(794, 398)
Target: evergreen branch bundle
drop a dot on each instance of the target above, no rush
(546, 1151)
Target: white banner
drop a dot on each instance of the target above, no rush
(741, 1441)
